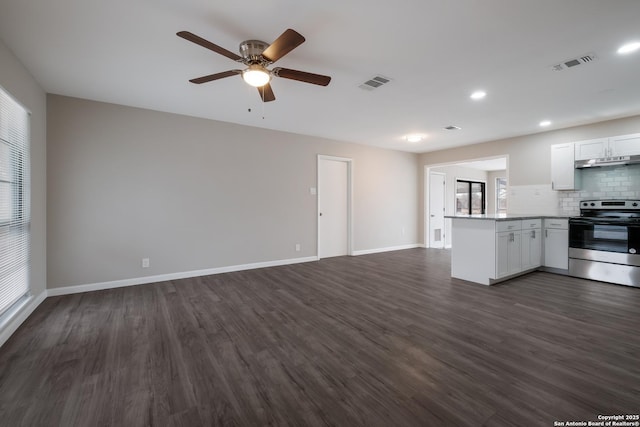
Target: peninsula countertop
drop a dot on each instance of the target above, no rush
(505, 217)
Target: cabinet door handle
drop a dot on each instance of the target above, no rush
(533, 234)
(546, 233)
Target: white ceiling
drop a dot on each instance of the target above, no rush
(436, 53)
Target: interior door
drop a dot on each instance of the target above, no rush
(436, 209)
(333, 192)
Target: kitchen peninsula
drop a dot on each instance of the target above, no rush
(488, 249)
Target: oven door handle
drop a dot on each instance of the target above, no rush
(595, 222)
(580, 222)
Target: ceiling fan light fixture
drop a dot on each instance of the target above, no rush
(256, 75)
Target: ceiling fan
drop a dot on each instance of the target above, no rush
(257, 56)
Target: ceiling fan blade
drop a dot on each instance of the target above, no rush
(206, 43)
(284, 44)
(302, 76)
(266, 93)
(216, 76)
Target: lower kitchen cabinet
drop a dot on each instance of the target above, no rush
(556, 243)
(531, 248)
(508, 253)
(488, 251)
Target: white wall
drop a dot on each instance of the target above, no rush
(194, 194)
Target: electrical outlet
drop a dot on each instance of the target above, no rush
(297, 247)
(145, 262)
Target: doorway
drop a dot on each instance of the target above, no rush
(484, 170)
(334, 206)
(437, 186)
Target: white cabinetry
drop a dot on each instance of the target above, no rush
(564, 175)
(488, 251)
(531, 244)
(508, 248)
(556, 243)
(592, 149)
(623, 145)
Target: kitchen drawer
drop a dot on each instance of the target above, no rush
(530, 224)
(559, 223)
(508, 226)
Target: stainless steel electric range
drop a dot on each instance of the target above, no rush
(604, 241)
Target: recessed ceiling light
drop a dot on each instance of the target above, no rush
(414, 138)
(452, 127)
(545, 123)
(629, 48)
(479, 94)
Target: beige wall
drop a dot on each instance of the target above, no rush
(15, 79)
(529, 161)
(192, 194)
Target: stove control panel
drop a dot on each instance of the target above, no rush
(610, 204)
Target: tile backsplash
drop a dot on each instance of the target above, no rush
(609, 182)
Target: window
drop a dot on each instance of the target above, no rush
(470, 197)
(14, 201)
(501, 195)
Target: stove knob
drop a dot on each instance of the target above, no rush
(585, 204)
(593, 204)
(634, 204)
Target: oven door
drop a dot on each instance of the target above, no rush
(613, 241)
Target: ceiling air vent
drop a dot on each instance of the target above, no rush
(374, 83)
(574, 62)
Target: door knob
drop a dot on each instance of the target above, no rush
(320, 213)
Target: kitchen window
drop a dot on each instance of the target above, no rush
(501, 195)
(470, 197)
(15, 215)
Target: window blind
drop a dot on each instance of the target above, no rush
(15, 215)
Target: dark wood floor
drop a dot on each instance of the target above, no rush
(377, 340)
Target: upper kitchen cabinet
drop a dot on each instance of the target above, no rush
(564, 175)
(623, 145)
(591, 149)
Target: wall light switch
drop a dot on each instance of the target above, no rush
(145, 262)
(313, 191)
(297, 247)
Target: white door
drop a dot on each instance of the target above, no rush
(436, 209)
(333, 207)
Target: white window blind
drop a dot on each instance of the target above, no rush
(15, 212)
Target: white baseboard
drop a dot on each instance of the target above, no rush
(13, 319)
(172, 276)
(387, 249)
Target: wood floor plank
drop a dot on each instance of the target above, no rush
(375, 340)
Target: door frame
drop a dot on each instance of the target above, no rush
(444, 205)
(349, 163)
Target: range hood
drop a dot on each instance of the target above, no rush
(607, 161)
